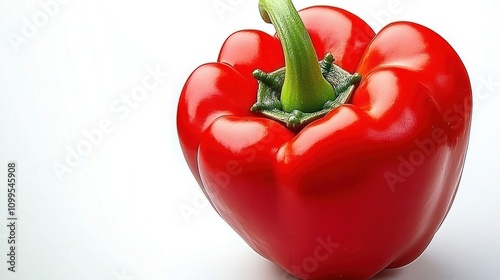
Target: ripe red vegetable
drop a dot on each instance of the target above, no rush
(324, 174)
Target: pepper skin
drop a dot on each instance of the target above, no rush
(362, 189)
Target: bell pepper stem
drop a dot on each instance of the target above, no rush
(304, 88)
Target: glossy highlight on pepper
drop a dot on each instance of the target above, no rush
(363, 187)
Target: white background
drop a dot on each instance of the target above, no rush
(117, 213)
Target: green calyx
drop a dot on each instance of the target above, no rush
(270, 85)
(304, 90)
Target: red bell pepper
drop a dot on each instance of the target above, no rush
(337, 169)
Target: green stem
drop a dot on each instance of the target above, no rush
(304, 88)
